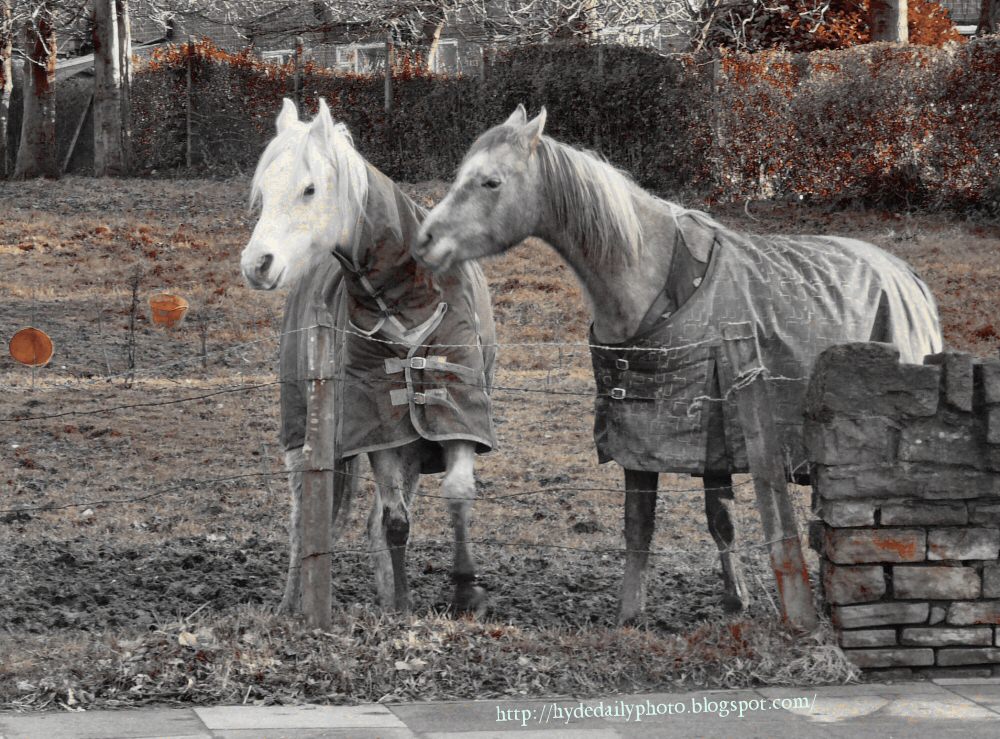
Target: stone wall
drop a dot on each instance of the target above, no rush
(906, 473)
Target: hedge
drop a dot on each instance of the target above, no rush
(909, 124)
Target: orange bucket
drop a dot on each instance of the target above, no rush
(31, 346)
(167, 310)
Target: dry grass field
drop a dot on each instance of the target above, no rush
(143, 522)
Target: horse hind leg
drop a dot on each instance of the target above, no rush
(640, 520)
(459, 487)
(397, 473)
(719, 510)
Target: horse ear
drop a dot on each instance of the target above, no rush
(518, 117)
(322, 125)
(287, 116)
(533, 129)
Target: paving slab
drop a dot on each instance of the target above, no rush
(314, 734)
(227, 718)
(500, 716)
(986, 695)
(176, 723)
(524, 734)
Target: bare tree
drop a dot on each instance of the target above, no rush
(989, 17)
(37, 152)
(108, 154)
(889, 21)
(125, 70)
(6, 80)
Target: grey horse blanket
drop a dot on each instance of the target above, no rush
(413, 353)
(668, 405)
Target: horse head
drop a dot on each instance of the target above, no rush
(494, 202)
(311, 184)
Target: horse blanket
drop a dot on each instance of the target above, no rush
(413, 353)
(665, 400)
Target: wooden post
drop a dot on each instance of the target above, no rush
(76, 134)
(318, 478)
(764, 455)
(190, 53)
(388, 72)
(297, 82)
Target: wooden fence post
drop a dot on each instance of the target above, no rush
(753, 402)
(190, 53)
(388, 72)
(317, 478)
(297, 81)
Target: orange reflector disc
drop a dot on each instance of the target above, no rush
(31, 346)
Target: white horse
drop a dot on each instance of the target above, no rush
(335, 231)
(664, 285)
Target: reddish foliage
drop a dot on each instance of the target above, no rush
(808, 25)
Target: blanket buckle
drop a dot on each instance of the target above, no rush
(618, 393)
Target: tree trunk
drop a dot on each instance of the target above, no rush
(108, 159)
(125, 67)
(37, 154)
(889, 21)
(6, 81)
(989, 15)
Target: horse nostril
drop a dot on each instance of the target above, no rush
(265, 264)
(426, 242)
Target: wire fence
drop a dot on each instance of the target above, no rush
(743, 547)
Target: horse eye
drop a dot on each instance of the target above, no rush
(493, 183)
(309, 191)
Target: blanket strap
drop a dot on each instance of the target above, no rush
(433, 363)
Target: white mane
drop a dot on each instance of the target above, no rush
(344, 164)
(594, 199)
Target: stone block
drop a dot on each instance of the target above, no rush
(847, 513)
(991, 581)
(987, 380)
(925, 513)
(965, 613)
(817, 535)
(955, 673)
(867, 638)
(859, 546)
(968, 656)
(984, 513)
(879, 614)
(936, 583)
(904, 480)
(936, 440)
(843, 440)
(980, 636)
(866, 379)
(993, 425)
(842, 585)
(938, 614)
(956, 378)
(899, 657)
(963, 543)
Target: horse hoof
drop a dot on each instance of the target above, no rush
(470, 600)
(732, 604)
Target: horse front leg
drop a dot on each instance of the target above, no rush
(640, 519)
(459, 487)
(397, 473)
(719, 509)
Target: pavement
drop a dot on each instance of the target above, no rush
(946, 707)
